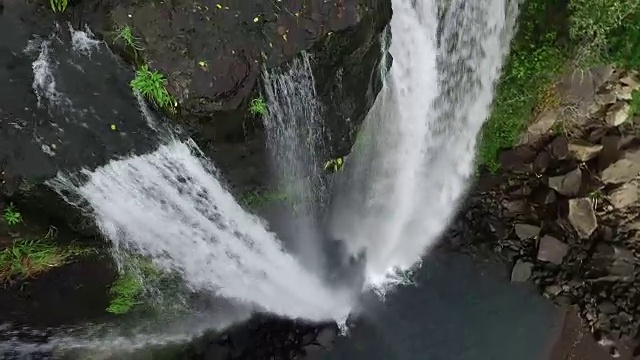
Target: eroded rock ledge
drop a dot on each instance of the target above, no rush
(565, 210)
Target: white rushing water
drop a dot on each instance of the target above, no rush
(167, 206)
(294, 127)
(415, 153)
(401, 186)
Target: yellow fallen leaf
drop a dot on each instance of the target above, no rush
(255, 19)
(219, 6)
(113, 127)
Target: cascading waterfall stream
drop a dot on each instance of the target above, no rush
(294, 128)
(403, 180)
(167, 206)
(414, 155)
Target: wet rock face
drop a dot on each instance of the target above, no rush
(60, 110)
(262, 337)
(213, 55)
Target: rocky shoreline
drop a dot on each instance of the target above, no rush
(564, 210)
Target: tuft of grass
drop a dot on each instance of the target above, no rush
(152, 85)
(27, 258)
(125, 294)
(334, 165)
(257, 199)
(11, 215)
(125, 34)
(58, 5)
(258, 107)
(128, 289)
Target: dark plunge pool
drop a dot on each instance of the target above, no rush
(461, 309)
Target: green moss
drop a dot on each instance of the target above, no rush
(257, 199)
(534, 61)
(125, 294)
(127, 291)
(26, 258)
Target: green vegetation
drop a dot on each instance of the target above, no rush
(128, 289)
(334, 165)
(258, 107)
(58, 5)
(257, 199)
(11, 215)
(599, 31)
(27, 258)
(605, 31)
(534, 62)
(125, 294)
(125, 34)
(151, 84)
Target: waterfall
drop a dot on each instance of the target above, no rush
(408, 170)
(294, 128)
(168, 206)
(415, 153)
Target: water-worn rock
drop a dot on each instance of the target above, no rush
(526, 231)
(559, 148)
(623, 262)
(552, 250)
(567, 184)
(540, 126)
(618, 113)
(607, 307)
(521, 271)
(584, 151)
(582, 217)
(625, 195)
(621, 171)
(605, 99)
(541, 162)
(517, 159)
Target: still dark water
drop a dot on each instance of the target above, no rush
(461, 309)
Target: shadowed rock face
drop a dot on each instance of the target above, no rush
(236, 41)
(213, 54)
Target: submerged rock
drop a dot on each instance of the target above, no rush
(521, 271)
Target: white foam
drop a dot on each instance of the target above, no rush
(165, 205)
(412, 166)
